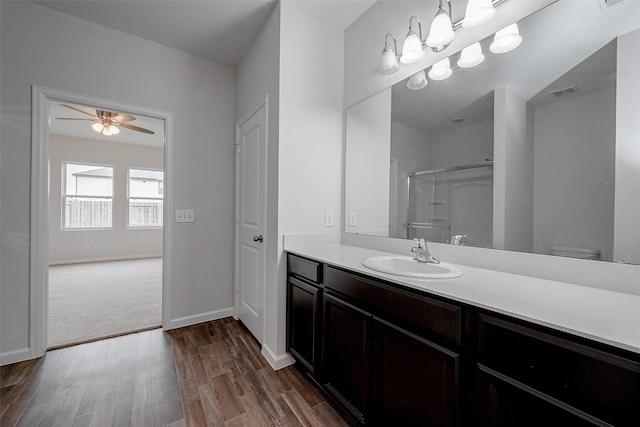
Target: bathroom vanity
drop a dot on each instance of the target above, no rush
(484, 349)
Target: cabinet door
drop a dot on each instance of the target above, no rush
(415, 382)
(504, 402)
(345, 354)
(303, 323)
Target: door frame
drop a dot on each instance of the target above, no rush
(263, 103)
(39, 204)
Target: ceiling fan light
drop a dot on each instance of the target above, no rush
(478, 12)
(506, 39)
(441, 70)
(97, 127)
(441, 32)
(114, 130)
(471, 56)
(418, 81)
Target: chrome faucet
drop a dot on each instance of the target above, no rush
(421, 253)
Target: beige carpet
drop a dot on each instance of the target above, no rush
(103, 299)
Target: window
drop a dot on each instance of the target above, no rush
(88, 196)
(145, 198)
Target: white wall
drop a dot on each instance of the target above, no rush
(41, 46)
(513, 174)
(574, 184)
(463, 145)
(411, 147)
(119, 242)
(368, 151)
(311, 138)
(627, 232)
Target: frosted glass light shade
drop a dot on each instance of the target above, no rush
(107, 130)
(388, 61)
(471, 56)
(506, 39)
(418, 81)
(411, 49)
(441, 70)
(441, 32)
(478, 12)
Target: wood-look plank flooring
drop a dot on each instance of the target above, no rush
(211, 374)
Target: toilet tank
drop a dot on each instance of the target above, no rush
(575, 252)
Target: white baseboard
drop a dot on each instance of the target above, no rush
(277, 362)
(181, 322)
(103, 259)
(15, 356)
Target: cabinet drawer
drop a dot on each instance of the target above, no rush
(427, 314)
(599, 383)
(306, 268)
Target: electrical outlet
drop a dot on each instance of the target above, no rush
(185, 215)
(328, 219)
(353, 219)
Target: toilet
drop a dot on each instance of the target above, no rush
(575, 252)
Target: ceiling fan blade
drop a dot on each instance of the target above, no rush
(71, 118)
(136, 128)
(79, 110)
(122, 118)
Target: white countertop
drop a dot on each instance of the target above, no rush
(605, 316)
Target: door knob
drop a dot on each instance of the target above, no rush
(257, 238)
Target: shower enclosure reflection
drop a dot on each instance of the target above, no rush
(452, 205)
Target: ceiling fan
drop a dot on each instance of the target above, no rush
(108, 122)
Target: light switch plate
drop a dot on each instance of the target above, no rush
(328, 219)
(185, 215)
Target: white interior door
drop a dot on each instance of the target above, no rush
(251, 190)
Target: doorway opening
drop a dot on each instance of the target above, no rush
(100, 200)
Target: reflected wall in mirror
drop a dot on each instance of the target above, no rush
(535, 150)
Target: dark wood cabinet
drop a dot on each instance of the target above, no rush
(346, 355)
(600, 386)
(390, 355)
(304, 312)
(503, 402)
(303, 331)
(415, 382)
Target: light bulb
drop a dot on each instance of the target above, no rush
(114, 130)
(388, 61)
(417, 81)
(441, 70)
(411, 49)
(441, 32)
(471, 56)
(478, 12)
(97, 127)
(506, 39)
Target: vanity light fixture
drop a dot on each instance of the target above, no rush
(389, 59)
(441, 32)
(506, 39)
(106, 130)
(418, 81)
(412, 47)
(478, 12)
(441, 70)
(471, 56)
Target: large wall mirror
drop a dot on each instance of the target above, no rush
(534, 150)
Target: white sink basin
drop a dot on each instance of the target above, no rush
(408, 267)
